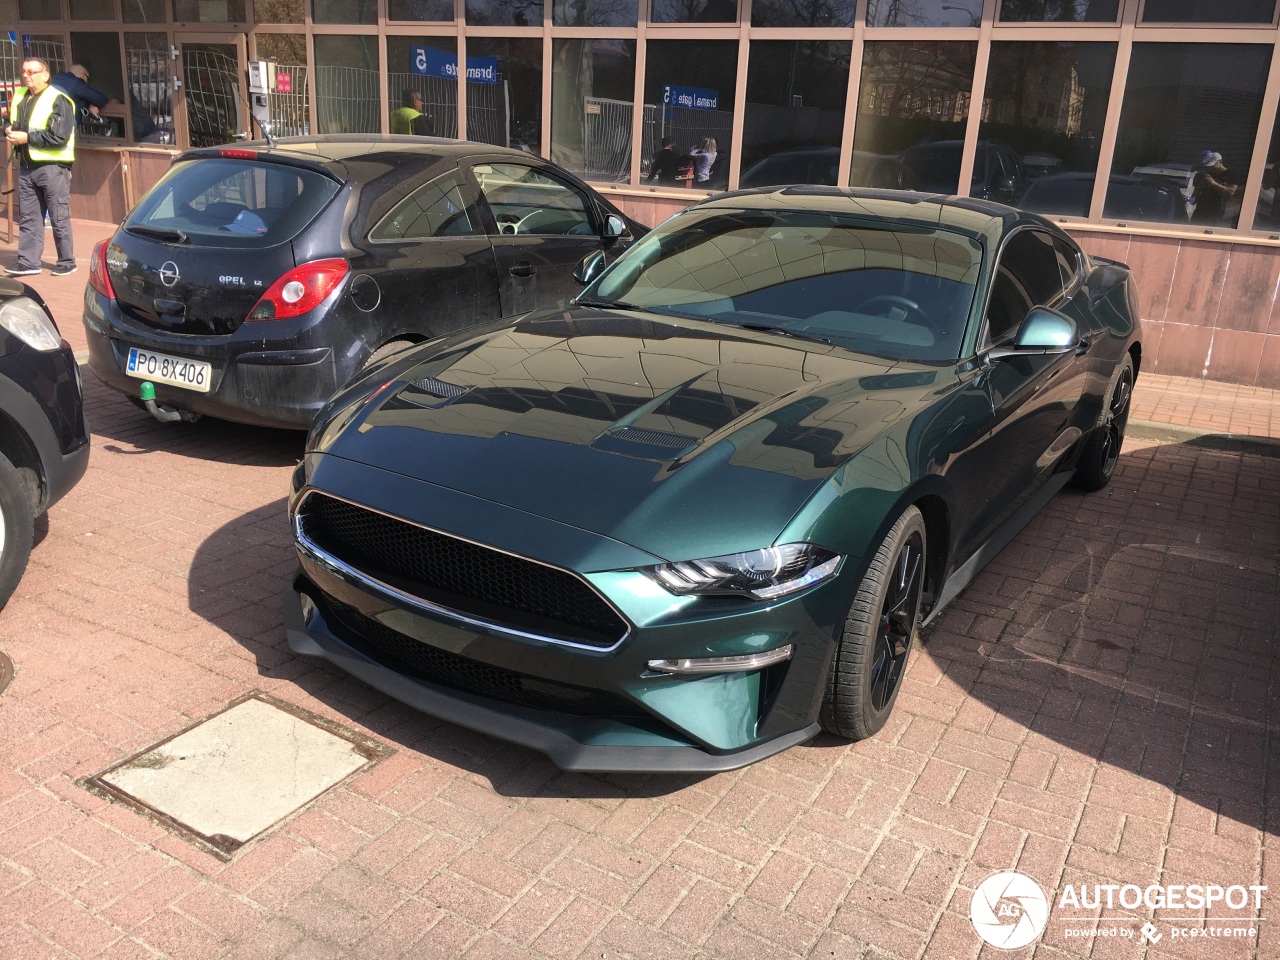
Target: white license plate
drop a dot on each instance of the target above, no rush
(176, 371)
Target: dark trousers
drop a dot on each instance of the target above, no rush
(44, 188)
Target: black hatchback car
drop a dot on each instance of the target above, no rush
(44, 440)
(252, 281)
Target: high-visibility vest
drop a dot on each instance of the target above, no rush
(41, 113)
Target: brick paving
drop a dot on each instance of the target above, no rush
(1098, 707)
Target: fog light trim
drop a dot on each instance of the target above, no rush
(737, 664)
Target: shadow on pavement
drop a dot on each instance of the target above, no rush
(1135, 625)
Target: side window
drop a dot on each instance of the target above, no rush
(524, 200)
(1068, 261)
(436, 209)
(1027, 275)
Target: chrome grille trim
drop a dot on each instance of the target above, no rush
(340, 568)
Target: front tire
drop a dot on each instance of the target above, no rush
(17, 529)
(872, 649)
(1102, 449)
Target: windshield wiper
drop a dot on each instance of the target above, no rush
(783, 331)
(608, 305)
(159, 233)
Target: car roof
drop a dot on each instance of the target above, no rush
(967, 215)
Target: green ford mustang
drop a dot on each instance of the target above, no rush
(701, 514)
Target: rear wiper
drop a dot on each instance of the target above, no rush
(783, 331)
(159, 233)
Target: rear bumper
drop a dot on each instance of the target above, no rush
(259, 381)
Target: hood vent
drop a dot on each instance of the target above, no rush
(438, 388)
(653, 438)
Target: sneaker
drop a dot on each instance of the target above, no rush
(61, 271)
(22, 271)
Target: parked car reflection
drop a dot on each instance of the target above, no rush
(1128, 198)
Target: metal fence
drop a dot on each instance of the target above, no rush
(347, 100)
(439, 99)
(290, 115)
(151, 87)
(212, 81)
(606, 138)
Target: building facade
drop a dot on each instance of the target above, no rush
(1097, 113)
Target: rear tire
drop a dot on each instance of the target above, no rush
(1102, 449)
(882, 624)
(386, 350)
(17, 529)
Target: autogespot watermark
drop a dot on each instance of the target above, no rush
(1010, 910)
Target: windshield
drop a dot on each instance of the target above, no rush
(895, 290)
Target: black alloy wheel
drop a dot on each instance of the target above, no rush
(1102, 451)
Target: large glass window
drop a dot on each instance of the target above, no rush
(143, 11)
(592, 105)
(794, 112)
(341, 11)
(504, 13)
(912, 107)
(924, 13)
(594, 13)
(504, 92)
(147, 67)
(39, 10)
(93, 9)
(427, 66)
(802, 13)
(425, 10)
(694, 11)
(690, 84)
(202, 11)
(1184, 105)
(99, 53)
(286, 54)
(1059, 11)
(1048, 103)
(275, 11)
(1208, 11)
(347, 84)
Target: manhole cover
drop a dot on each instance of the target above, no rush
(235, 774)
(6, 672)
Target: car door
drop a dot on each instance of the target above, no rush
(431, 264)
(541, 226)
(1033, 398)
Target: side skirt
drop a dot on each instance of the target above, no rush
(963, 575)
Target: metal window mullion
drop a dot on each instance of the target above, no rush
(738, 124)
(460, 57)
(1262, 145)
(853, 92)
(977, 96)
(1111, 128)
(637, 113)
(548, 61)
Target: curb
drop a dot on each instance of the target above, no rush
(1211, 439)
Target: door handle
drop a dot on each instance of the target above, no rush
(522, 270)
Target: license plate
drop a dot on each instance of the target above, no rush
(175, 371)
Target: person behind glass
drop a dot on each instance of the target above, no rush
(74, 82)
(704, 155)
(665, 164)
(42, 131)
(409, 118)
(1211, 186)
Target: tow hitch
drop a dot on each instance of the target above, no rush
(164, 414)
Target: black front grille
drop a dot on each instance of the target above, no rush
(421, 661)
(473, 580)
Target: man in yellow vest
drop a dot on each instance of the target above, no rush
(43, 135)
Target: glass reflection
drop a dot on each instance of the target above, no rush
(347, 84)
(504, 13)
(504, 92)
(420, 10)
(342, 11)
(694, 11)
(595, 13)
(1186, 104)
(690, 85)
(1059, 11)
(802, 13)
(1048, 103)
(794, 112)
(592, 105)
(1208, 11)
(924, 13)
(428, 68)
(286, 55)
(912, 108)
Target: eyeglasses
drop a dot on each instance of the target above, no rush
(34, 73)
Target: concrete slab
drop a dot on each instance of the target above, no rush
(234, 775)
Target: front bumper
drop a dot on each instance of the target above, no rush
(268, 381)
(588, 709)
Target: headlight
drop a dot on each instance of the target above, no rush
(764, 574)
(27, 321)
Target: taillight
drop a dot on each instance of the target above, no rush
(301, 289)
(99, 279)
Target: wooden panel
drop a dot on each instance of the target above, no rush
(97, 190)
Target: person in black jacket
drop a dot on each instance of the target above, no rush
(665, 164)
(74, 82)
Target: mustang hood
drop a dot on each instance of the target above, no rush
(670, 435)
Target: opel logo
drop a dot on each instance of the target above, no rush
(169, 273)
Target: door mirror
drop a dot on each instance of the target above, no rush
(1042, 331)
(589, 267)
(614, 226)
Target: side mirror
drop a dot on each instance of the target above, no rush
(1042, 332)
(589, 267)
(614, 226)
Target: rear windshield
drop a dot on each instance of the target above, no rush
(229, 202)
